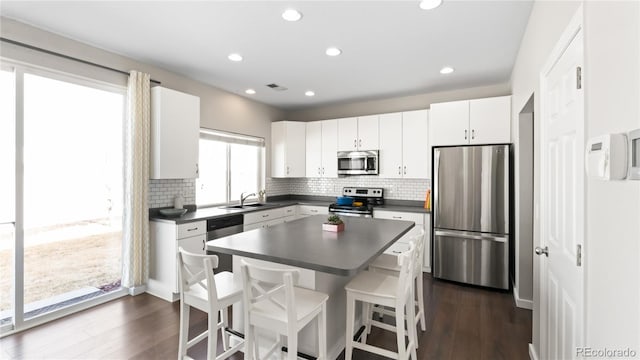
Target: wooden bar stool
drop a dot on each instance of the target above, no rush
(272, 302)
(373, 288)
(213, 294)
(388, 264)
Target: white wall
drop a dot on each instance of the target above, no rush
(546, 22)
(219, 109)
(612, 248)
(612, 100)
(396, 104)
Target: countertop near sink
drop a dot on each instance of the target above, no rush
(207, 213)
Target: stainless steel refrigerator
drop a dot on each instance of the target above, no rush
(471, 214)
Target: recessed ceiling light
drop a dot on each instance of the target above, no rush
(430, 4)
(235, 57)
(310, 93)
(446, 70)
(291, 15)
(333, 51)
(250, 91)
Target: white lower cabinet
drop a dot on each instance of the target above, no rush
(165, 239)
(309, 210)
(422, 220)
(263, 219)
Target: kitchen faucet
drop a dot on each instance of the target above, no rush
(243, 198)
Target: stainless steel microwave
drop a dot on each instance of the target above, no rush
(358, 162)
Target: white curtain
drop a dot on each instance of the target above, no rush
(136, 215)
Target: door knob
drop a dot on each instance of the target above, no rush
(540, 251)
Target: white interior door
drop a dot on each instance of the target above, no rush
(562, 215)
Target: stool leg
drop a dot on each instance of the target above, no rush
(212, 336)
(248, 341)
(411, 325)
(366, 321)
(184, 330)
(420, 290)
(348, 350)
(402, 351)
(292, 342)
(224, 316)
(322, 333)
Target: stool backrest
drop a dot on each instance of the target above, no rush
(268, 284)
(419, 240)
(196, 270)
(406, 261)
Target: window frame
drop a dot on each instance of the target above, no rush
(230, 138)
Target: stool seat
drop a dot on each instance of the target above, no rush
(374, 284)
(228, 288)
(307, 301)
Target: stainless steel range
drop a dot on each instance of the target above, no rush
(369, 197)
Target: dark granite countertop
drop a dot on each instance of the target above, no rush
(304, 244)
(207, 213)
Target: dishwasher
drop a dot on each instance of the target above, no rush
(221, 227)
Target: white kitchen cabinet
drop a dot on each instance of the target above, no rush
(290, 213)
(288, 149)
(175, 131)
(359, 133)
(309, 210)
(165, 239)
(416, 150)
(263, 219)
(404, 145)
(422, 220)
(477, 121)
(390, 159)
(489, 120)
(321, 148)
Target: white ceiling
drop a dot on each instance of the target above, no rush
(390, 48)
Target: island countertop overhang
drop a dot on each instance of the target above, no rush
(302, 243)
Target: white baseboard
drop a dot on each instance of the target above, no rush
(521, 303)
(137, 290)
(532, 352)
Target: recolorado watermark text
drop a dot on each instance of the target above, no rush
(606, 353)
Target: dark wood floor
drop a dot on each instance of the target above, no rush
(462, 323)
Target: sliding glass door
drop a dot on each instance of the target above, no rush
(67, 247)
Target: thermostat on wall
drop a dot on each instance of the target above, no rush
(606, 157)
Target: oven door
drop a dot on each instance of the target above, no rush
(354, 213)
(358, 162)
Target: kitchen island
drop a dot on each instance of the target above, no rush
(326, 261)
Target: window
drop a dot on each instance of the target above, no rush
(230, 164)
(63, 207)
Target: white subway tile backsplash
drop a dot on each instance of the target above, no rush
(162, 192)
(400, 189)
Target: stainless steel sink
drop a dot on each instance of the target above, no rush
(254, 205)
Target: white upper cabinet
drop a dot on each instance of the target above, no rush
(450, 123)
(288, 149)
(489, 120)
(359, 133)
(348, 134)
(314, 149)
(330, 148)
(404, 145)
(322, 147)
(175, 129)
(416, 150)
(368, 133)
(478, 121)
(390, 145)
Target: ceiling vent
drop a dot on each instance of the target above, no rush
(277, 87)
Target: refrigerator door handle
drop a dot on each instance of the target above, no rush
(436, 170)
(474, 236)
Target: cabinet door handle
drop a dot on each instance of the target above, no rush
(355, 143)
(397, 217)
(465, 134)
(473, 134)
(203, 245)
(314, 211)
(192, 229)
(322, 171)
(360, 142)
(197, 169)
(287, 170)
(399, 170)
(405, 169)
(265, 215)
(319, 171)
